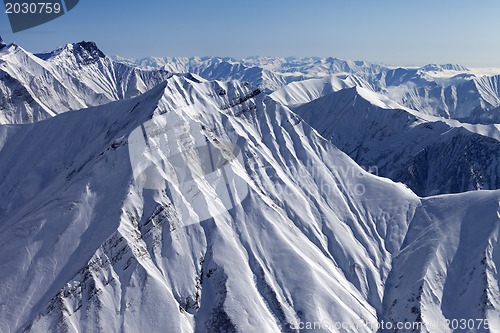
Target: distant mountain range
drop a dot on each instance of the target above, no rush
(450, 91)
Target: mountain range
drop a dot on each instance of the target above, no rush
(449, 91)
(317, 237)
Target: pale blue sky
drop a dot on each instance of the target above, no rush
(398, 32)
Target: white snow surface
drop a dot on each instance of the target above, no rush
(86, 249)
(315, 238)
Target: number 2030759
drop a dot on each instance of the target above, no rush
(33, 8)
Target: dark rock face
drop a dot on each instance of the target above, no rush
(87, 52)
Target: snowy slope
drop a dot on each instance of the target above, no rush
(102, 247)
(448, 265)
(431, 155)
(301, 92)
(88, 249)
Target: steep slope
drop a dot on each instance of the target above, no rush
(430, 155)
(446, 275)
(36, 87)
(313, 237)
(88, 247)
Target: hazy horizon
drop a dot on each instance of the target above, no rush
(388, 32)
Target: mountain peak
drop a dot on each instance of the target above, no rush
(87, 52)
(376, 98)
(2, 43)
(90, 47)
(84, 52)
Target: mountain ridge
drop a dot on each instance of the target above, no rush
(370, 128)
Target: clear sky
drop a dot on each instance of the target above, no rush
(398, 32)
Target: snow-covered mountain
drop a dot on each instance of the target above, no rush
(431, 155)
(98, 246)
(302, 92)
(450, 90)
(80, 75)
(312, 238)
(36, 87)
(463, 97)
(87, 248)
